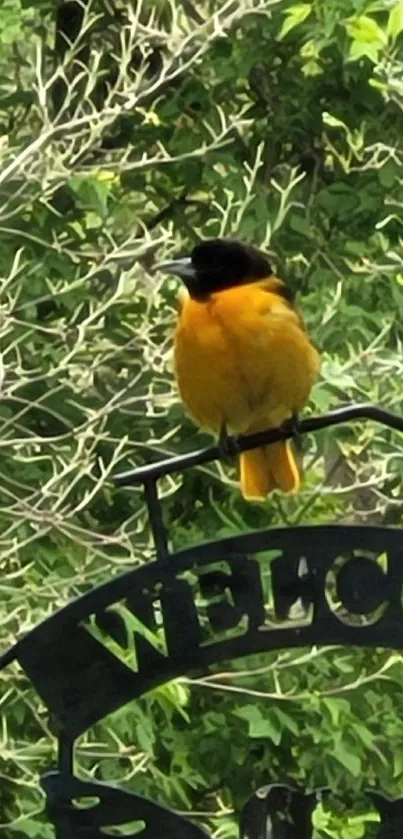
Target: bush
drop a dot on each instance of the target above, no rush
(126, 137)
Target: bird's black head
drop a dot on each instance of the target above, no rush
(218, 264)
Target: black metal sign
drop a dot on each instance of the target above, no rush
(207, 604)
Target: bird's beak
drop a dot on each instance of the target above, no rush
(182, 268)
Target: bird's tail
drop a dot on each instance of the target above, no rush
(271, 467)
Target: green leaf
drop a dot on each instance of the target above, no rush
(145, 735)
(92, 191)
(395, 21)
(363, 733)
(365, 30)
(343, 754)
(260, 726)
(300, 224)
(294, 16)
(309, 50)
(312, 68)
(323, 397)
(361, 49)
(286, 720)
(387, 174)
(336, 706)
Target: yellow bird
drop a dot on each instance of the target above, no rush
(244, 362)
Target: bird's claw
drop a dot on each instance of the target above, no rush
(228, 445)
(294, 427)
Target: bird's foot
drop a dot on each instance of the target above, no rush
(228, 445)
(293, 425)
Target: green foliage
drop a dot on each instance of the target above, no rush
(281, 123)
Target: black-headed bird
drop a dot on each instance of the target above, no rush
(243, 360)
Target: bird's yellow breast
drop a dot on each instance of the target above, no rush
(243, 358)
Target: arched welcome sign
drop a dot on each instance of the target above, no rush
(78, 659)
(192, 609)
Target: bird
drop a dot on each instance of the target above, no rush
(243, 360)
